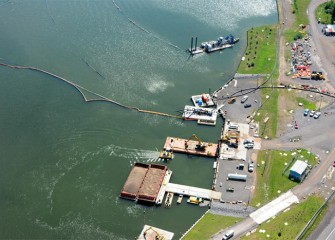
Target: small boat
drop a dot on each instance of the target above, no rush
(166, 153)
(180, 198)
(168, 200)
(194, 200)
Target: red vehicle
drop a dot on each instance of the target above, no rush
(296, 126)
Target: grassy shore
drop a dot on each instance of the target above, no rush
(259, 57)
(288, 224)
(271, 178)
(209, 225)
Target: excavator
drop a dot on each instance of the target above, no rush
(157, 237)
(200, 146)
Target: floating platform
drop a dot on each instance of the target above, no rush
(193, 191)
(206, 116)
(179, 146)
(203, 100)
(153, 233)
(144, 183)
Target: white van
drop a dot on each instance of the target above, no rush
(228, 235)
(233, 126)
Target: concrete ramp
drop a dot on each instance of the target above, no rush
(274, 207)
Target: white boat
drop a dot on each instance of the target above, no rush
(180, 198)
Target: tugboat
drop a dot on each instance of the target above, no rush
(195, 200)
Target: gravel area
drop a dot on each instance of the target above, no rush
(233, 210)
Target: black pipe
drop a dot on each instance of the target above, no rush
(191, 44)
(196, 40)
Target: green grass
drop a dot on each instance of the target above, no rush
(261, 50)
(306, 103)
(320, 12)
(296, 218)
(209, 225)
(326, 18)
(316, 222)
(269, 109)
(270, 177)
(300, 18)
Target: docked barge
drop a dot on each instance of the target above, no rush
(214, 45)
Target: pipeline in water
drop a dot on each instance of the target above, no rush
(145, 30)
(47, 7)
(93, 68)
(80, 89)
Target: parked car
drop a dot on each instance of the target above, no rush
(306, 112)
(251, 167)
(244, 99)
(317, 115)
(248, 105)
(311, 114)
(249, 145)
(296, 126)
(228, 235)
(248, 141)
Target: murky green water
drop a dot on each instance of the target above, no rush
(64, 161)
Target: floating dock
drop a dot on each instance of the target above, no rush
(206, 116)
(144, 183)
(179, 146)
(193, 191)
(153, 233)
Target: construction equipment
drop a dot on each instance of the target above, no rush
(200, 146)
(317, 76)
(231, 100)
(157, 236)
(232, 138)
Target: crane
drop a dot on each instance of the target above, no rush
(199, 146)
(157, 237)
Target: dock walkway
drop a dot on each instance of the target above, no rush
(193, 191)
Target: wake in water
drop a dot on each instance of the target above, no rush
(145, 30)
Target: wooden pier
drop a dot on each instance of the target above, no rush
(193, 191)
(189, 146)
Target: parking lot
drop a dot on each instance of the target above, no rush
(242, 189)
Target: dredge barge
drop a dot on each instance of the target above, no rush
(212, 46)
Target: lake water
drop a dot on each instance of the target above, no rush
(64, 161)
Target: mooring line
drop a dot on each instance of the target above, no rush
(80, 89)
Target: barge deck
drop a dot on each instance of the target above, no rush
(144, 183)
(190, 147)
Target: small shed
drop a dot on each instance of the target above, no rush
(298, 170)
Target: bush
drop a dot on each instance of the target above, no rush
(297, 36)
